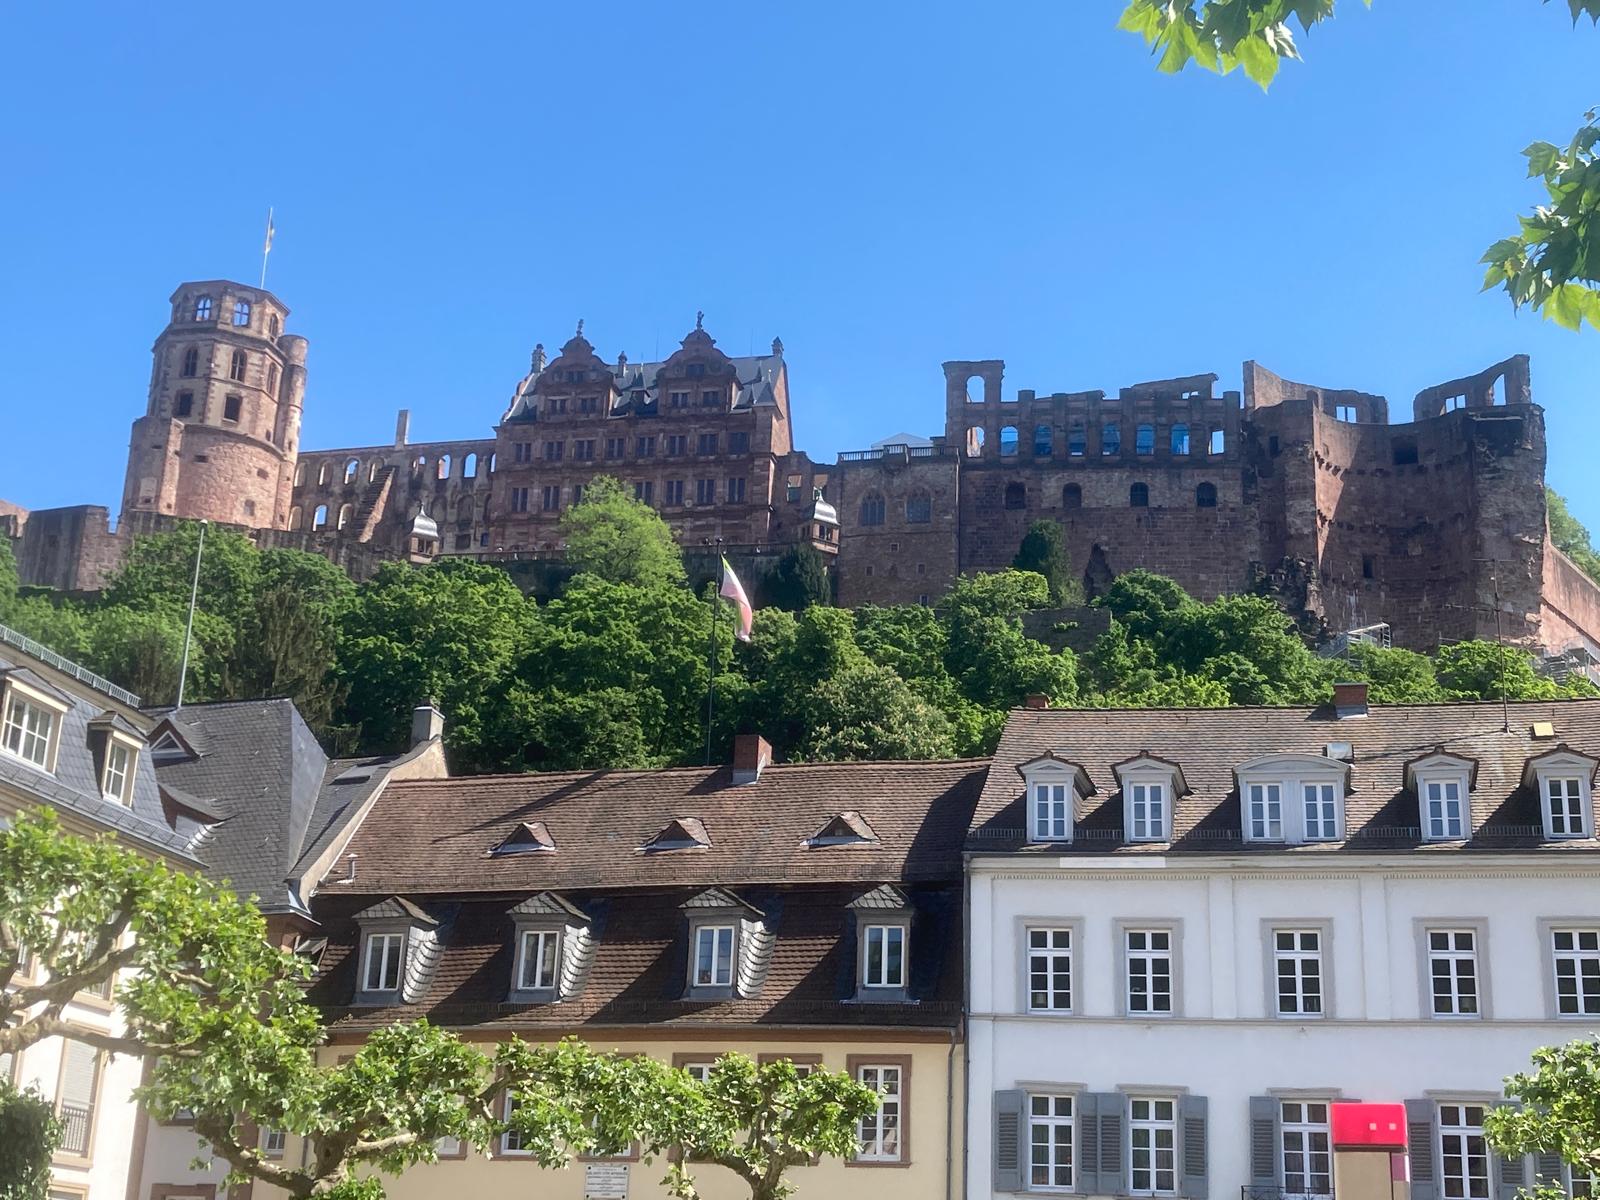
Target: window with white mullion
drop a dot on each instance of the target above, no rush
(1153, 1140)
(1463, 1153)
(1266, 812)
(880, 1130)
(1297, 954)
(1149, 959)
(1050, 970)
(1049, 1142)
(1453, 972)
(537, 963)
(1578, 1181)
(1307, 1150)
(1321, 812)
(1052, 812)
(885, 965)
(1576, 954)
(713, 956)
(27, 730)
(382, 970)
(1442, 812)
(1149, 822)
(1564, 798)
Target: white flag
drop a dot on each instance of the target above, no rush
(733, 590)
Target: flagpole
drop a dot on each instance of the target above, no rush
(188, 629)
(266, 248)
(711, 680)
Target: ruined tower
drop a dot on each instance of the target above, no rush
(222, 426)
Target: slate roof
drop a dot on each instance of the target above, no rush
(435, 836)
(1381, 814)
(638, 391)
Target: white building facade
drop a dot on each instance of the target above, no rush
(1191, 933)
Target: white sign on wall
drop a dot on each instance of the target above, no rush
(605, 1181)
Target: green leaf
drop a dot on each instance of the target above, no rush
(1258, 60)
(1542, 157)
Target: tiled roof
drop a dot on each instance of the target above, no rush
(436, 835)
(639, 968)
(1207, 744)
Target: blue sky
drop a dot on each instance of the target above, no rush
(884, 186)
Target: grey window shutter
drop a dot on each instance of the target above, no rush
(1513, 1170)
(1112, 1175)
(1192, 1129)
(1547, 1169)
(1086, 1115)
(1420, 1116)
(1266, 1138)
(1010, 1109)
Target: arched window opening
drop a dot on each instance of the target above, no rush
(1008, 441)
(272, 378)
(191, 362)
(202, 308)
(240, 362)
(975, 442)
(1016, 495)
(352, 470)
(346, 511)
(241, 312)
(469, 467)
(1205, 496)
(975, 389)
(1077, 441)
(1072, 496)
(272, 326)
(1180, 439)
(295, 517)
(441, 469)
(919, 508)
(372, 471)
(300, 475)
(418, 463)
(1144, 441)
(1110, 438)
(322, 474)
(492, 458)
(1041, 441)
(1139, 496)
(872, 509)
(319, 519)
(1219, 441)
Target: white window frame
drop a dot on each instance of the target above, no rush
(504, 1146)
(714, 929)
(1572, 775)
(273, 1142)
(370, 942)
(1583, 934)
(17, 702)
(1320, 797)
(1264, 811)
(1306, 1128)
(1060, 1132)
(891, 1104)
(1050, 805)
(1452, 953)
(1051, 953)
(1297, 956)
(1149, 810)
(1462, 1132)
(1152, 1125)
(1302, 780)
(1173, 933)
(885, 931)
(539, 939)
(119, 790)
(1432, 779)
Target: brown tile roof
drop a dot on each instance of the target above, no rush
(640, 964)
(435, 836)
(1380, 813)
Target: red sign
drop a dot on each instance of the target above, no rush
(1368, 1126)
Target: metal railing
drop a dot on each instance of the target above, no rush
(67, 667)
(76, 1121)
(1248, 1192)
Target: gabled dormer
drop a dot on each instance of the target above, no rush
(680, 833)
(1564, 780)
(1053, 786)
(170, 743)
(883, 926)
(848, 828)
(1151, 787)
(1442, 783)
(32, 712)
(399, 951)
(1292, 798)
(553, 948)
(529, 837)
(730, 946)
(114, 744)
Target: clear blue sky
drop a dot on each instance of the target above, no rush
(883, 186)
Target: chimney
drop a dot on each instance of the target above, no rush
(1036, 700)
(1349, 700)
(752, 753)
(427, 723)
(402, 427)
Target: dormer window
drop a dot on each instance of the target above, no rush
(553, 949)
(683, 833)
(117, 782)
(1293, 798)
(885, 963)
(529, 837)
(1443, 786)
(536, 960)
(33, 713)
(384, 953)
(730, 946)
(1150, 787)
(883, 937)
(713, 957)
(1265, 812)
(1564, 780)
(399, 950)
(1053, 785)
(848, 828)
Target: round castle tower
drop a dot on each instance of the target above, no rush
(219, 437)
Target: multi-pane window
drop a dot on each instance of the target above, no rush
(1110, 438)
(707, 444)
(273, 1142)
(677, 445)
(77, 1096)
(583, 449)
(1153, 1140)
(884, 964)
(382, 973)
(1052, 812)
(713, 956)
(1049, 1142)
(705, 491)
(1149, 811)
(1321, 812)
(191, 362)
(553, 451)
(551, 497)
(241, 312)
(119, 770)
(1050, 970)
(645, 447)
(1463, 1152)
(1453, 972)
(644, 491)
(1297, 958)
(238, 365)
(872, 509)
(678, 400)
(710, 399)
(697, 1071)
(880, 1131)
(1577, 964)
(674, 491)
(519, 500)
(739, 442)
(1563, 801)
(1266, 811)
(522, 452)
(511, 1139)
(615, 447)
(588, 404)
(202, 308)
(1442, 813)
(919, 508)
(27, 730)
(1307, 1150)
(736, 490)
(1149, 956)
(536, 967)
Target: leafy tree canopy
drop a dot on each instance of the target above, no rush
(1559, 1113)
(610, 534)
(1044, 552)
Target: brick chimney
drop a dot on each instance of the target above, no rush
(1349, 700)
(752, 754)
(427, 723)
(1036, 700)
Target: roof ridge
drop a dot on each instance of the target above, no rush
(611, 772)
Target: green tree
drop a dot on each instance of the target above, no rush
(800, 579)
(29, 1135)
(1558, 1111)
(610, 534)
(141, 648)
(1044, 552)
(1551, 264)
(868, 712)
(1570, 536)
(1393, 676)
(1481, 670)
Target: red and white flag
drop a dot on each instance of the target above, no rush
(733, 590)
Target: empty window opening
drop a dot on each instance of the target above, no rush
(1139, 496)
(1077, 441)
(295, 517)
(1008, 440)
(1345, 413)
(1368, 567)
(346, 511)
(191, 362)
(1111, 438)
(322, 474)
(351, 470)
(1180, 439)
(1219, 441)
(975, 389)
(1041, 441)
(184, 406)
(469, 467)
(1405, 453)
(272, 377)
(1072, 496)
(1205, 496)
(1016, 496)
(202, 308)
(1454, 403)
(272, 326)
(975, 441)
(231, 407)
(241, 312)
(319, 519)
(442, 467)
(240, 362)
(1144, 441)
